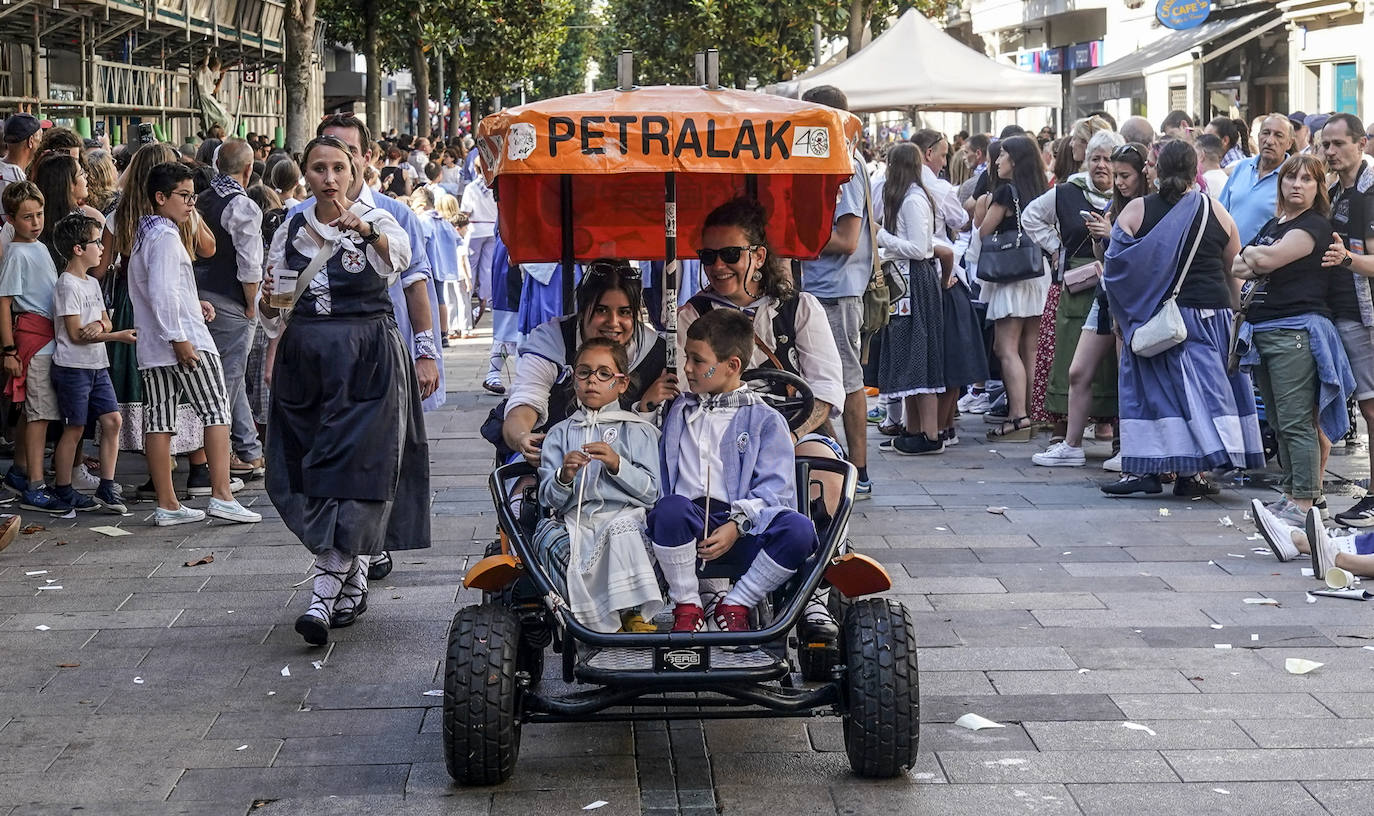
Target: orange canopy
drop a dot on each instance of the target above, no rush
(615, 149)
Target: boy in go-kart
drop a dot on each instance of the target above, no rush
(728, 473)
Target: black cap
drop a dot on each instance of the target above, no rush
(20, 126)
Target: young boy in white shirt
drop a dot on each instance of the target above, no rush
(28, 279)
(80, 370)
(176, 354)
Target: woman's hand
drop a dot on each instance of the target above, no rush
(719, 542)
(1098, 226)
(349, 221)
(529, 445)
(663, 389)
(603, 453)
(572, 463)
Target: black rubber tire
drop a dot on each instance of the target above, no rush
(481, 696)
(882, 719)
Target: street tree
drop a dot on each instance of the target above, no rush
(300, 48)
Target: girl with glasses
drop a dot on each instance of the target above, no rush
(599, 476)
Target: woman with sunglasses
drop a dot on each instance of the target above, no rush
(790, 328)
(1058, 222)
(348, 462)
(609, 303)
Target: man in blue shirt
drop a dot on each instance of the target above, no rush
(1251, 194)
(838, 279)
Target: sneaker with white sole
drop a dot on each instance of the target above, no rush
(977, 403)
(877, 414)
(1319, 543)
(1361, 515)
(83, 479)
(1113, 465)
(232, 511)
(1060, 454)
(1277, 534)
(1291, 514)
(163, 517)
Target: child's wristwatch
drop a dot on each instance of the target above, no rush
(742, 522)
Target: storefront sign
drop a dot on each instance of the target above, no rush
(1181, 14)
(1082, 56)
(1091, 97)
(1051, 60)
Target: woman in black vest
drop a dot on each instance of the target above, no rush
(1057, 222)
(609, 301)
(348, 461)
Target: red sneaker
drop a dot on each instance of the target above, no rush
(732, 617)
(688, 618)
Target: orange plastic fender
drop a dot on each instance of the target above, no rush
(495, 572)
(856, 574)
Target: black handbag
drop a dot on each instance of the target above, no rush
(1007, 257)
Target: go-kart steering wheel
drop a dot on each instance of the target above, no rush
(789, 394)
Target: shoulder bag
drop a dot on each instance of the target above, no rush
(1007, 257)
(877, 297)
(1166, 330)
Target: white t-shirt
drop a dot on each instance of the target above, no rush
(1216, 180)
(480, 205)
(10, 173)
(80, 297)
(27, 274)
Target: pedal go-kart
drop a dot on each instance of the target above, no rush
(494, 678)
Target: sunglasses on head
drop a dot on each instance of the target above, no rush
(600, 268)
(729, 254)
(1119, 154)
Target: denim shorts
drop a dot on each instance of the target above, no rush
(83, 394)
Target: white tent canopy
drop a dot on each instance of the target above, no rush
(916, 65)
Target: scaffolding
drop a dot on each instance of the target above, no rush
(111, 64)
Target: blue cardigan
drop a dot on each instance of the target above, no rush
(756, 455)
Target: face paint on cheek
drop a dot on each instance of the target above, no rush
(710, 372)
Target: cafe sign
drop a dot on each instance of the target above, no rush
(1182, 14)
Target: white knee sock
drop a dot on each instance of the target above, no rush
(764, 576)
(679, 565)
(331, 570)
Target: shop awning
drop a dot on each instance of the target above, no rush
(1135, 64)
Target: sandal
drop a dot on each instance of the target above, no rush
(1015, 430)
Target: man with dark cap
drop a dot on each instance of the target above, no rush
(22, 134)
(1301, 134)
(1314, 124)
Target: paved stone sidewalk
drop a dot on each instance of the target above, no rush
(146, 687)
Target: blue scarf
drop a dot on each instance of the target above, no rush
(1135, 275)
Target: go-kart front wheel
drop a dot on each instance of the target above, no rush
(882, 718)
(481, 695)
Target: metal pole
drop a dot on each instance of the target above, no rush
(701, 67)
(670, 267)
(712, 68)
(625, 70)
(565, 214)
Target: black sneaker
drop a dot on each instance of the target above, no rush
(1190, 486)
(917, 445)
(1361, 515)
(198, 483)
(1130, 483)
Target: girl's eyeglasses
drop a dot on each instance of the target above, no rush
(602, 375)
(729, 254)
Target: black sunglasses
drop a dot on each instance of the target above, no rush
(729, 254)
(1119, 154)
(596, 269)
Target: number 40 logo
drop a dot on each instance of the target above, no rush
(813, 142)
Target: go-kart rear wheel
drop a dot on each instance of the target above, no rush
(880, 687)
(481, 696)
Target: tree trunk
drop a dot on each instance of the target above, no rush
(455, 70)
(300, 42)
(371, 52)
(857, 14)
(419, 72)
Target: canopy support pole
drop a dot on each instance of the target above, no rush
(751, 186)
(565, 215)
(670, 267)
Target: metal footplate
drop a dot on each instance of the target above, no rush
(666, 662)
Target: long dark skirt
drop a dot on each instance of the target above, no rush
(347, 458)
(966, 360)
(912, 359)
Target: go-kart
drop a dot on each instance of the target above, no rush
(494, 678)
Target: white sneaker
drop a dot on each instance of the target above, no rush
(83, 479)
(1113, 465)
(1277, 534)
(232, 511)
(977, 403)
(1060, 454)
(181, 515)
